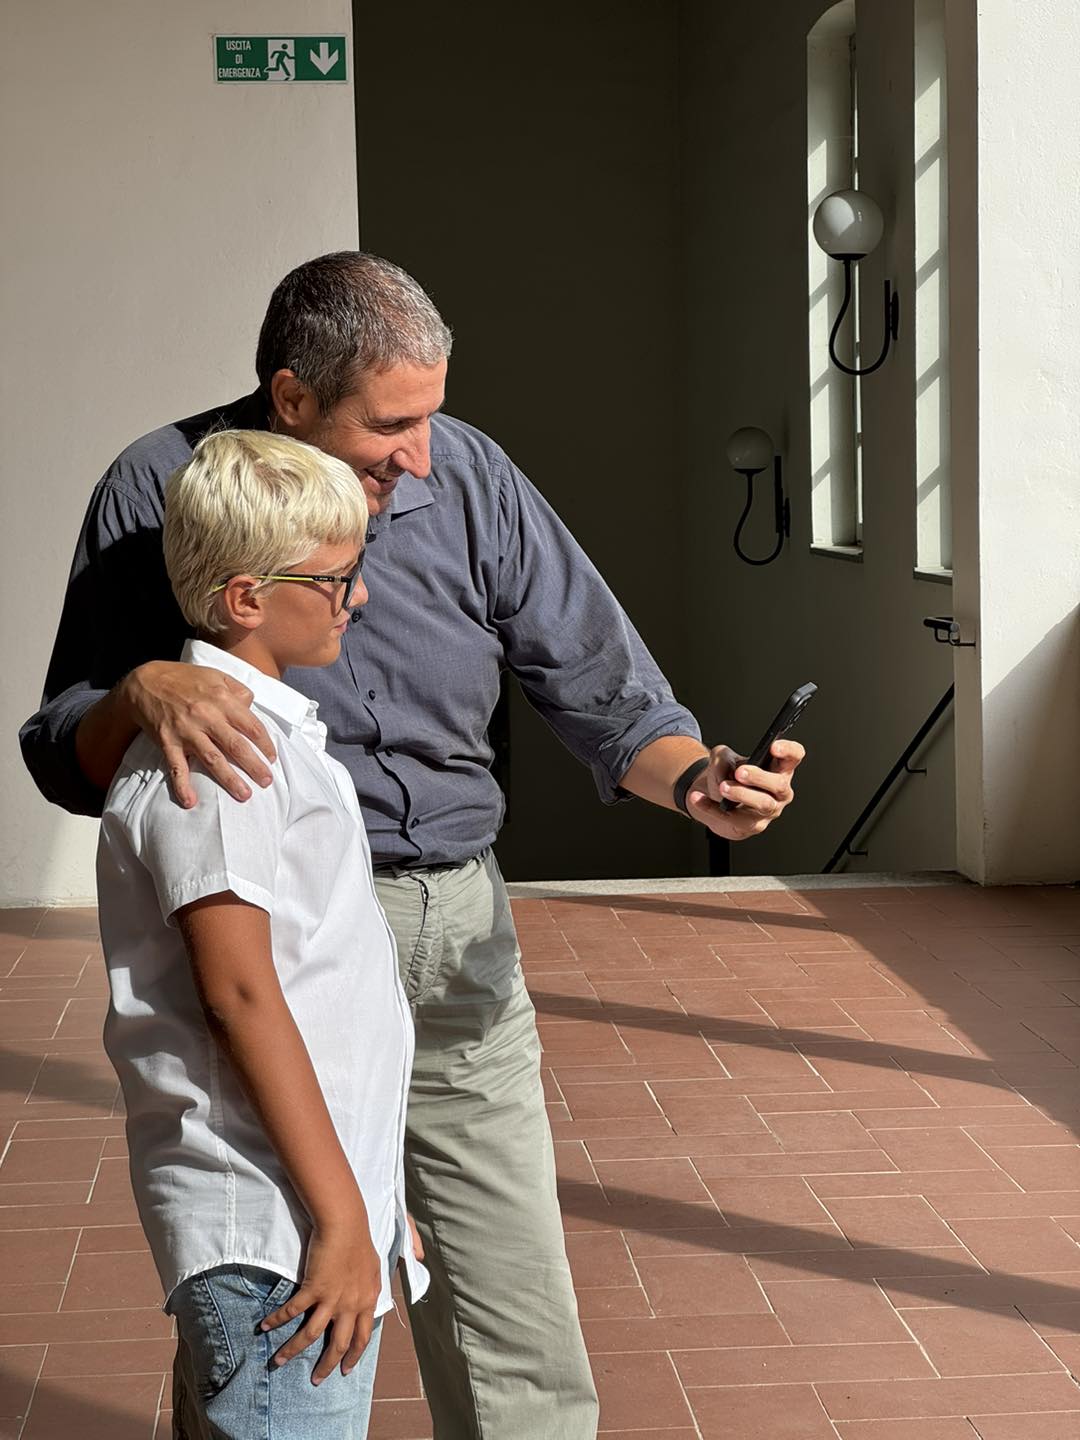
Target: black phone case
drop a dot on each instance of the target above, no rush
(783, 721)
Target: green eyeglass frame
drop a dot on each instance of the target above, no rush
(348, 581)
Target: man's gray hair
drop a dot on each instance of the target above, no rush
(332, 318)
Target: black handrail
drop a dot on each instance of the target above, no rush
(886, 785)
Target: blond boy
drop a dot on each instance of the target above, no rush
(257, 1022)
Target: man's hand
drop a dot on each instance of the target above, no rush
(340, 1290)
(759, 795)
(414, 1237)
(195, 712)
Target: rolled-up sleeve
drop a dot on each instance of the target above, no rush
(579, 660)
(112, 620)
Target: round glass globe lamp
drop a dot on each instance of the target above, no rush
(848, 224)
(750, 450)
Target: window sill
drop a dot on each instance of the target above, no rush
(839, 552)
(933, 573)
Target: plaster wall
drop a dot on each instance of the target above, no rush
(147, 214)
(1019, 690)
(608, 203)
(854, 628)
(622, 255)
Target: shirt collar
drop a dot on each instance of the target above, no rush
(273, 695)
(410, 493)
(250, 413)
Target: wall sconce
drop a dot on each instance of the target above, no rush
(847, 226)
(749, 451)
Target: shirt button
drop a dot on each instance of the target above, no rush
(413, 824)
(355, 616)
(371, 694)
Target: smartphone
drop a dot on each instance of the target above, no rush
(786, 717)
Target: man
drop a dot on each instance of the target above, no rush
(469, 571)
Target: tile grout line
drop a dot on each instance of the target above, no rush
(33, 1392)
(71, 1267)
(1001, 1169)
(1064, 1363)
(682, 1389)
(7, 1145)
(157, 1410)
(637, 1274)
(592, 1165)
(828, 1418)
(900, 1316)
(37, 1077)
(97, 1174)
(56, 1029)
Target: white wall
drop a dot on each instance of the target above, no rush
(1017, 434)
(147, 214)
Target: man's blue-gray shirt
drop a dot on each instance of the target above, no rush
(470, 571)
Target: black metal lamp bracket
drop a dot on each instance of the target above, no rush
(892, 323)
(782, 512)
(947, 632)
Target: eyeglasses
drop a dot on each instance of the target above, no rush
(348, 581)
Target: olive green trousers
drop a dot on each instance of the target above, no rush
(498, 1338)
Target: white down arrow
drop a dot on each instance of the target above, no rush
(326, 58)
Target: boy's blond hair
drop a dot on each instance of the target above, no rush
(252, 503)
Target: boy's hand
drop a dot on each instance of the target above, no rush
(339, 1292)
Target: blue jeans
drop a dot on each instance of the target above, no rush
(224, 1386)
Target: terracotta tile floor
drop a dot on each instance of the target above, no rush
(818, 1158)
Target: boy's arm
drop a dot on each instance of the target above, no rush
(228, 943)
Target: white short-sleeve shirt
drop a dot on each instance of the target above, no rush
(209, 1186)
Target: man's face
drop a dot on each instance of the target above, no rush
(382, 428)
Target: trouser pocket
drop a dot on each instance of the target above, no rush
(208, 1355)
(216, 1314)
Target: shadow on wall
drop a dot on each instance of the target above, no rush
(1030, 731)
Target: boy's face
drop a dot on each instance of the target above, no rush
(303, 621)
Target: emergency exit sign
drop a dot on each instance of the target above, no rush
(277, 59)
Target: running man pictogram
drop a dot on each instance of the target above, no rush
(279, 59)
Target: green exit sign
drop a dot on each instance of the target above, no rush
(276, 59)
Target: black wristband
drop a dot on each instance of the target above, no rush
(681, 788)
